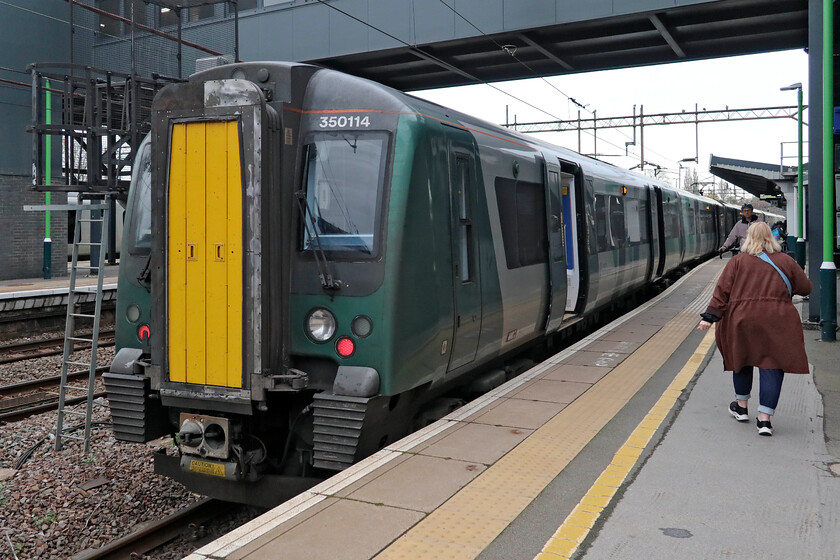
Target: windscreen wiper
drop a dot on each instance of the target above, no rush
(145, 276)
(324, 271)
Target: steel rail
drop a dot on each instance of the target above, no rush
(42, 383)
(49, 347)
(154, 534)
(21, 414)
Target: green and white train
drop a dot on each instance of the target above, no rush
(312, 259)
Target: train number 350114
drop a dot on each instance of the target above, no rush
(344, 121)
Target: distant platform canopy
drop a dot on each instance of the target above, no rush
(764, 180)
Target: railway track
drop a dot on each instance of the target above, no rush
(21, 400)
(188, 522)
(17, 352)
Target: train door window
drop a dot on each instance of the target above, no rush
(633, 220)
(672, 219)
(567, 190)
(522, 219)
(707, 218)
(601, 231)
(556, 232)
(617, 222)
(463, 187)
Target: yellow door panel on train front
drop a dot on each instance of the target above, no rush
(205, 254)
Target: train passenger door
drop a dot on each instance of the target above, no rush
(658, 212)
(572, 216)
(465, 263)
(652, 246)
(557, 240)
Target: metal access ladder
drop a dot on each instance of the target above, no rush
(84, 214)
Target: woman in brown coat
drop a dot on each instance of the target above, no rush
(759, 326)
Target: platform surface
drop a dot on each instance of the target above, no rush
(30, 287)
(620, 446)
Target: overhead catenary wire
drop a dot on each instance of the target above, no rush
(512, 53)
(458, 70)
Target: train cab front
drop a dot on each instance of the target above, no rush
(204, 371)
(267, 259)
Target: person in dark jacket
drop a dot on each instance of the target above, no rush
(739, 230)
(758, 324)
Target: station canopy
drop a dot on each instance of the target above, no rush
(763, 180)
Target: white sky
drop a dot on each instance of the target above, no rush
(738, 82)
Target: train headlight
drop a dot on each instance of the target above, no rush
(320, 324)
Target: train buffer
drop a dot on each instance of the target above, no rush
(620, 446)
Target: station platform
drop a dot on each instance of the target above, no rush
(38, 293)
(620, 446)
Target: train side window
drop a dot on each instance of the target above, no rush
(522, 219)
(601, 231)
(672, 220)
(617, 225)
(138, 230)
(463, 186)
(691, 216)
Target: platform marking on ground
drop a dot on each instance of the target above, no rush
(470, 520)
(577, 525)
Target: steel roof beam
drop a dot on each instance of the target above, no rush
(431, 58)
(545, 52)
(657, 23)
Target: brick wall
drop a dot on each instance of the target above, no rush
(22, 233)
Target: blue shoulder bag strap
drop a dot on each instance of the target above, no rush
(763, 256)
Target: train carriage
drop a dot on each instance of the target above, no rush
(318, 258)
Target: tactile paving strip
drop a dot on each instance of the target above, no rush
(469, 521)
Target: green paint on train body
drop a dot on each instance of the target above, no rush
(413, 310)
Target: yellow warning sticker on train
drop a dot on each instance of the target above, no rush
(206, 467)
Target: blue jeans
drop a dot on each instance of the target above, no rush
(769, 389)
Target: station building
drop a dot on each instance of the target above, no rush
(402, 43)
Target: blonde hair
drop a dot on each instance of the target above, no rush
(760, 238)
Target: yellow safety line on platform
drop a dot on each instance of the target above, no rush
(469, 521)
(576, 527)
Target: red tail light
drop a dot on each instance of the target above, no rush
(345, 347)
